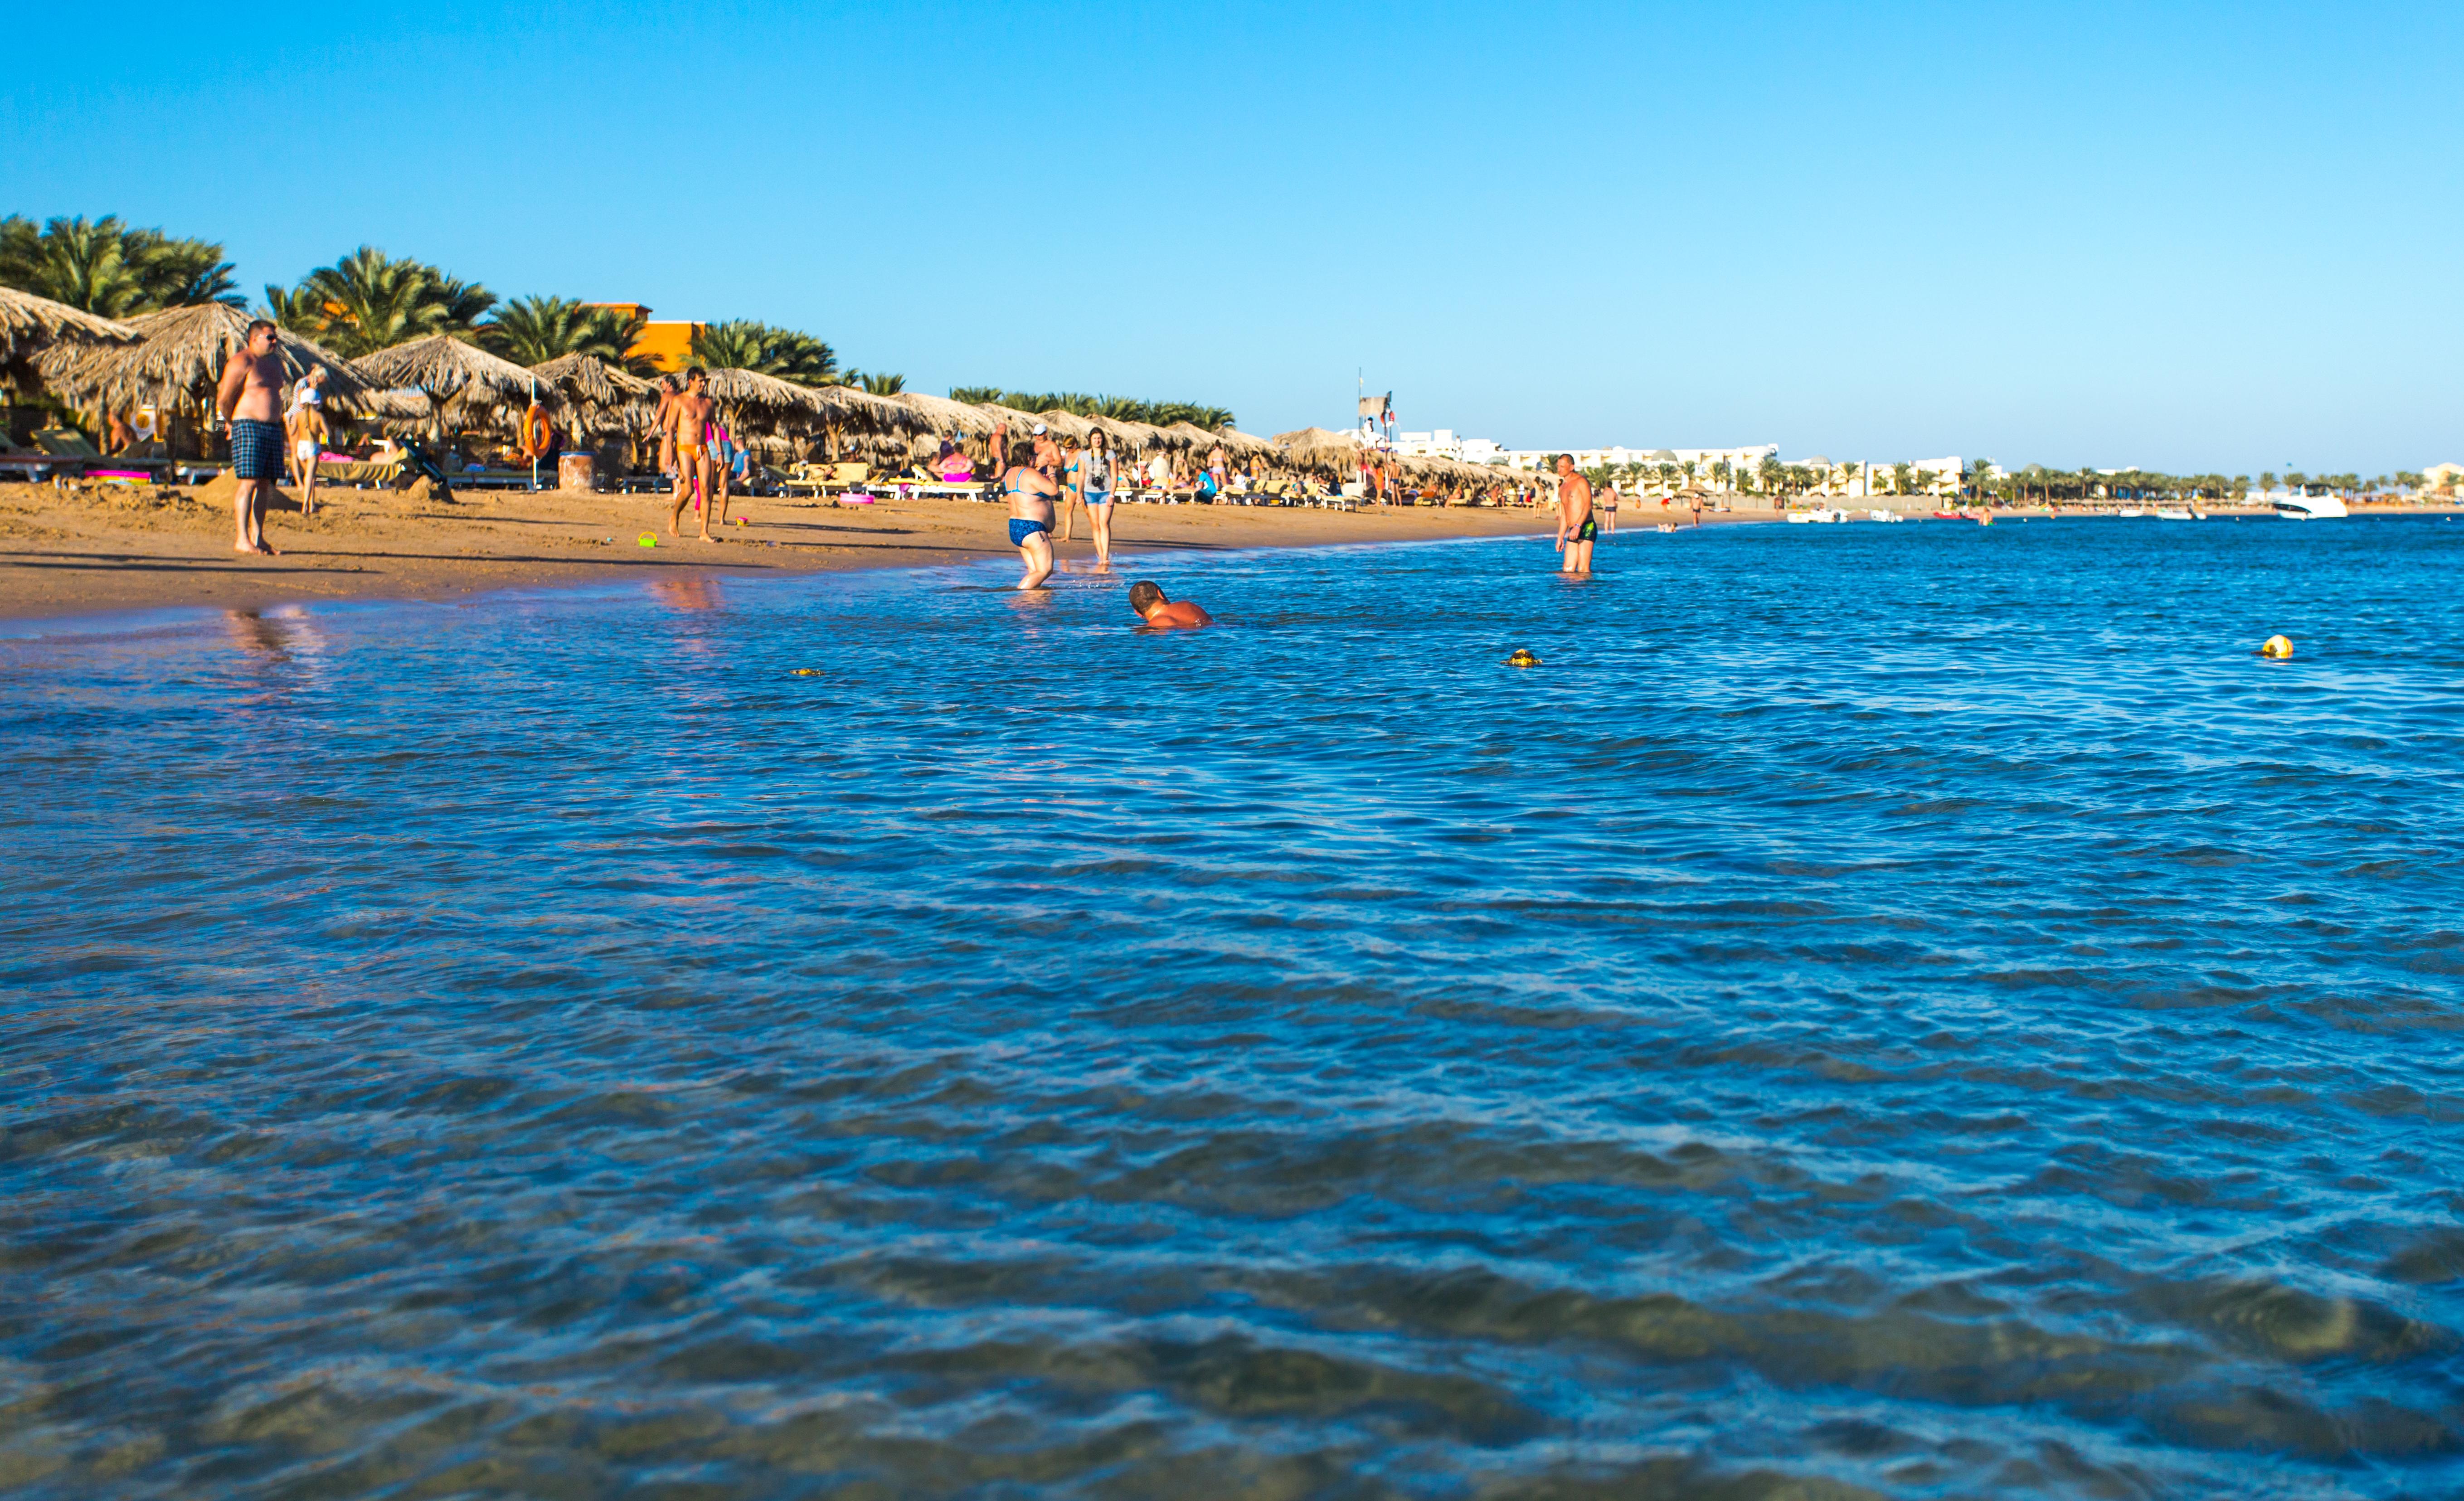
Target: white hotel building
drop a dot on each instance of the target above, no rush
(1843, 479)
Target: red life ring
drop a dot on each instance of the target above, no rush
(539, 436)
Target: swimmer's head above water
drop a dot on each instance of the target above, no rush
(1154, 609)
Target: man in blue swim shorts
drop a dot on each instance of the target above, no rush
(1030, 492)
(251, 398)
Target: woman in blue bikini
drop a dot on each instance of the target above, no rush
(1030, 492)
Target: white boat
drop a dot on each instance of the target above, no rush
(2307, 508)
(2175, 513)
(2131, 511)
(1884, 515)
(1818, 514)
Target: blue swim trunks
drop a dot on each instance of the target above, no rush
(256, 448)
(1019, 531)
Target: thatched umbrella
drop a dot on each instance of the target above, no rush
(587, 381)
(451, 372)
(1318, 446)
(860, 410)
(951, 418)
(178, 359)
(1236, 441)
(29, 323)
(1142, 438)
(1199, 437)
(1066, 424)
(599, 397)
(766, 398)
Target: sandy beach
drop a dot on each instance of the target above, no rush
(105, 548)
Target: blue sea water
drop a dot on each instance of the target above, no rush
(1912, 1010)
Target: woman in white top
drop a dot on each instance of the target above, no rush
(1090, 477)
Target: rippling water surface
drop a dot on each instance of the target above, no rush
(1910, 1010)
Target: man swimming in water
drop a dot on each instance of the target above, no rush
(1156, 610)
(1577, 528)
(1029, 491)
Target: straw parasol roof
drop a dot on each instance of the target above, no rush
(1068, 424)
(952, 417)
(27, 323)
(1318, 446)
(588, 380)
(765, 398)
(450, 369)
(1139, 437)
(862, 411)
(1200, 437)
(179, 354)
(1238, 442)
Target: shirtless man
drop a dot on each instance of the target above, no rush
(1029, 491)
(249, 398)
(1156, 610)
(1577, 527)
(687, 426)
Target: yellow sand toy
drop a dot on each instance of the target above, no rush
(649, 540)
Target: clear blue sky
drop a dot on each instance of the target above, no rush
(2188, 236)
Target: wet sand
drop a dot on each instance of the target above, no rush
(104, 548)
(100, 548)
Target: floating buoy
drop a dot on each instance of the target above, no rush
(808, 671)
(2278, 647)
(1522, 658)
(649, 539)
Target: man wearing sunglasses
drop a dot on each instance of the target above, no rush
(249, 398)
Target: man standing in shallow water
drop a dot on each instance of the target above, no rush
(251, 397)
(1577, 528)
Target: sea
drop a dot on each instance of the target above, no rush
(1920, 1010)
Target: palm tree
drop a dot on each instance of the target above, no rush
(101, 266)
(975, 395)
(746, 344)
(369, 300)
(880, 384)
(534, 330)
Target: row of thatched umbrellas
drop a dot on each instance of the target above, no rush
(176, 357)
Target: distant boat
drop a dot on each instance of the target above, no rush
(2307, 508)
(1950, 516)
(1884, 515)
(1818, 514)
(2130, 512)
(2175, 513)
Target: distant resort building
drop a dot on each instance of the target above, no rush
(1703, 466)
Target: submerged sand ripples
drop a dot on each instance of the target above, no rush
(1899, 1011)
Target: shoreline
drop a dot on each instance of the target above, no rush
(117, 551)
(111, 551)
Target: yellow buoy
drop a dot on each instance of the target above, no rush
(808, 671)
(1522, 658)
(2278, 647)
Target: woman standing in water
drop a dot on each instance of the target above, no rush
(1029, 491)
(1090, 475)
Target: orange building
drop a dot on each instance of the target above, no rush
(668, 347)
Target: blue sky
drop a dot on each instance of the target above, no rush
(2182, 237)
